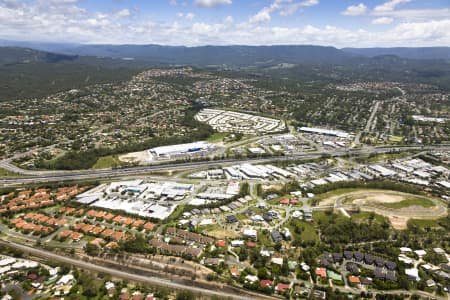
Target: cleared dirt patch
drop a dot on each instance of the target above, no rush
(392, 200)
(399, 223)
(223, 233)
(377, 198)
(398, 207)
(135, 157)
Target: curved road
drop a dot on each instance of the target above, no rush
(439, 210)
(48, 176)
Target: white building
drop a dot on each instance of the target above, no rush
(420, 253)
(7, 261)
(237, 243)
(232, 172)
(413, 273)
(189, 149)
(336, 133)
(251, 171)
(421, 118)
(382, 171)
(250, 233)
(66, 279)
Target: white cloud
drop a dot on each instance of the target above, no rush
(420, 32)
(262, 16)
(123, 13)
(212, 3)
(291, 8)
(70, 23)
(382, 21)
(310, 2)
(415, 14)
(355, 10)
(285, 8)
(388, 12)
(188, 16)
(390, 5)
(228, 20)
(61, 1)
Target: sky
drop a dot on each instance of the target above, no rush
(339, 23)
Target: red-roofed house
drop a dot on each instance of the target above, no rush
(76, 236)
(250, 244)
(281, 287)
(112, 245)
(266, 283)
(221, 243)
(322, 272)
(149, 226)
(284, 201)
(354, 280)
(234, 271)
(65, 233)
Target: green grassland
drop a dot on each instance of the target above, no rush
(323, 217)
(381, 157)
(395, 139)
(6, 173)
(217, 137)
(106, 162)
(424, 223)
(362, 216)
(407, 201)
(414, 201)
(264, 239)
(307, 231)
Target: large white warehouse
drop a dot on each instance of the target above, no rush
(337, 133)
(190, 149)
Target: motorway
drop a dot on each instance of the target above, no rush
(52, 176)
(125, 275)
(49, 176)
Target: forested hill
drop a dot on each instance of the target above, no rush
(16, 55)
(379, 68)
(233, 55)
(404, 52)
(217, 55)
(28, 73)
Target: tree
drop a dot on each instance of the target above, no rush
(262, 273)
(278, 246)
(92, 249)
(285, 267)
(243, 254)
(136, 245)
(185, 295)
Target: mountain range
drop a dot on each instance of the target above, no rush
(26, 71)
(233, 55)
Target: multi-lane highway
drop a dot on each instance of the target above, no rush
(51, 176)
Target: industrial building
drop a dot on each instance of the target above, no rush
(181, 150)
(336, 133)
